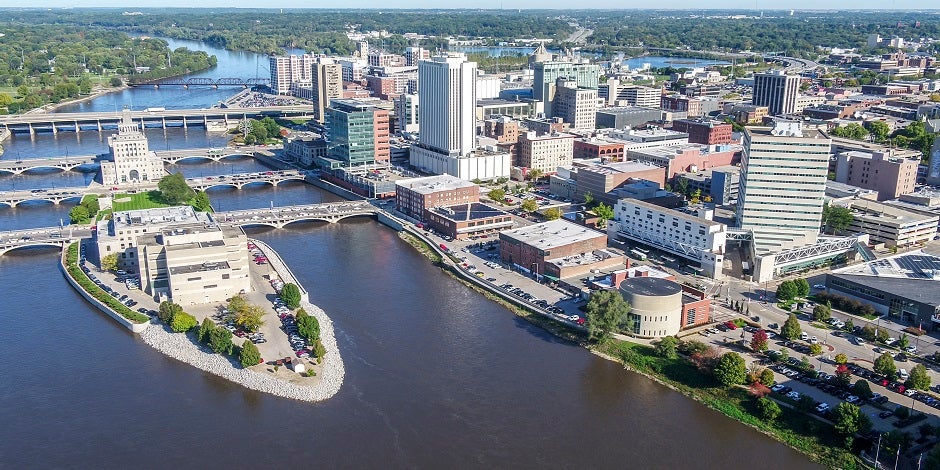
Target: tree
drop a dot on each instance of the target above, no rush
(836, 218)
(201, 202)
(787, 290)
(604, 212)
(308, 326)
(110, 262)
(768, 409)
(202, 334)
(183, 322)
(918, 378)
(116, 81)
(903, 341)
(552, 213)
(319, 350)
(806, 403)
(250, 318)
(841, 359)
(666, 347)
(815, 349)
(767, 377)
(497, 195)
(529, 205)
(731, 369)
(759, 341)
(167, 310)
(791, 328)
(5, 99)
(884, 365)
(868, 332)
(849, 324)
(588, 199)
(822, 312)
(534, 174)
(843, 375)
(851, 131)
(291, 296)
(79, 214)
(882, 335)
(606, 313)
(862, 389)
(879, 130)
(249, 354)
(174, 190)
(848, 420)
(802, 287)
(220, 340)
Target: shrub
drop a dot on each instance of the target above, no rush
(291, 296)
(768, 409)
(731, 369)
(183, 322)
(249, 354)
(845, 304)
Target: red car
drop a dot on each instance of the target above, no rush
(731, 325)
(443, 247)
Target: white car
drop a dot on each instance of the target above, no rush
(813, 340)
(910, 349)
(794, 395)
(819, 286)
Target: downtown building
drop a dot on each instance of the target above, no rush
(291, 72)
(358, 135)
(776, 90)
(326, 84)
(447, 116)
(132, 161)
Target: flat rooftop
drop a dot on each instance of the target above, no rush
(689, 213)
(552, 234)
(197, 268)
(472, 211)
(917, 264)
(158, 216)
(874, 210)
(434, 184)
(649, 287)
(621, 167)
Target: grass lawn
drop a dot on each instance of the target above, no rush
(145, 200)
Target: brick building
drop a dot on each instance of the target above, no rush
(462, 221)
(415, 195)
(704, 131)
(588, 148)
(533, 248)
(545, 152)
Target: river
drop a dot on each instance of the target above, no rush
(436, 375)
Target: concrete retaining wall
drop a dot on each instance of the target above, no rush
(280, 267)
(341, 192)
(134, 327)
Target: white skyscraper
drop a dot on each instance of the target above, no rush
(447, 94)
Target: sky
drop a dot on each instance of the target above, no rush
(495, 4)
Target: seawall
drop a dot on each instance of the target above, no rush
(134, 327)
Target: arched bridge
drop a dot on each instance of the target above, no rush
(49, 236)
(215, 154)
(55, 196)
(278, 217)
(238, 181)
(19, 166)
(209, 82)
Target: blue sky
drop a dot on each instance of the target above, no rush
(507, 4)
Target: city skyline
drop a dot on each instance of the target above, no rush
(744, 5)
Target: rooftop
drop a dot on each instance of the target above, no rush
(158, 216)
(472, 211)
(917, 264)
(649, 286)
(196, 268)
(552, 234)
(434, 184)
(620, 167)
(884, 213)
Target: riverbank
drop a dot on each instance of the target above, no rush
(96, 93)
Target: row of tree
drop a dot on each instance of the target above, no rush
(792, 289)
(174, 190)
(85, 210)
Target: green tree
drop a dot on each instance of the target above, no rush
(841, 358)
(202, 335)
(5, 99)
(903, 341)
(174, 190)
(919, 379)
(836, 218)
(79, 214)
(237, 304)
(319, 350)
(529, 205)
(767, 377)
(588, 199)
(881, 335)
(806, 403)
(879, 130)
(667, 347)
(768, 409)
(109, 262)
(731, 369)
(862, 389)
(606, 313)
(201, 202)
(884, 365)
(249, 354)
(168, 310)
(822, 312)
(552, 213)
(291, 295)
(250, 318)
(220, 341)
(791, 328)
(604, 212)
(183, 322)
(787, 290)
(534, 174)
(802, 287)
(497, 195)
(815, 349)
(116, 81)
(308, 326)
(848, 420)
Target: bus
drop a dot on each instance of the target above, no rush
(638, 254)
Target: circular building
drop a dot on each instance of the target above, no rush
(655, 305)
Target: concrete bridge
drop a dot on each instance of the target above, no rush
(154, 118)
(173, 157)
(37, 237)
(55, 196)
(279, 217)
(65, 164)
(239, 181)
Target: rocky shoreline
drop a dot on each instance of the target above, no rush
(331, 374)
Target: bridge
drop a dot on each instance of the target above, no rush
(240, 180)
(66, 164)
(154, 118)
(793, 65)
(55, 196)
(47, 236)
(173, 157)
(209, 82)
(277, 217)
